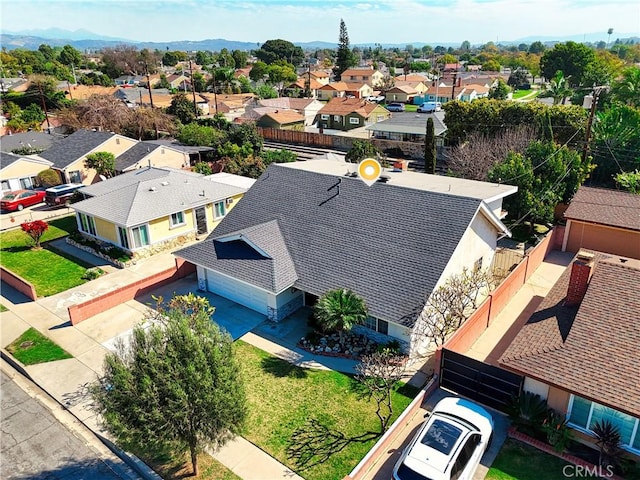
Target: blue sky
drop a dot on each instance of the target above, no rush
(382, 21)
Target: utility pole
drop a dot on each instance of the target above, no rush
(215, 94)
(44, 107)
(592, 112)
(193, 89)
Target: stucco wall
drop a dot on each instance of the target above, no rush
(617, 241)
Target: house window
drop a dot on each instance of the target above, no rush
(219, 210)
(124, 238)
(377, 325)
(140, 236)
(583, 415)
(75, 176)
(354, 121)
(379, 118)
(337, 118)
(27, 182)
(87, 224)
(5, 185)
(324, 116)
(177, 219)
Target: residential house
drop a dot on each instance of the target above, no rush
(332, 90)
(152, 209)
(409, 128)
(358, 90)
(604, 220)
(179, 82)
(129, 80)
(138, 96)
(363, 75)
(403, 93)
(19, 172)
(321, 76)
(471, 92)
(68, 155)
(300, 85)
(349, 113)
(32, 140)
(306, 107)
(579, 349)
(299, 233)
(282, 120)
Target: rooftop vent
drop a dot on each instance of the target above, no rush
(152, 189)
(164, 184)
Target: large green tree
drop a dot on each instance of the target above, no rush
(361, 149)
(70, 56)
(273, 50)
(430, 148)
(340, 310)
(558, 89)
(104, 163)
(176, 386)
(345, 58)
(571, 58)
(182, 107)
(626, 89)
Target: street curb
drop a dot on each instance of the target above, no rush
(137, 465)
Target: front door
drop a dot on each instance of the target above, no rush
(201, 220)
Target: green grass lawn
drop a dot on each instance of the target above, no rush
(282, 397)
(170, 469)
(49, 271)
(517, 461)
(32, 347)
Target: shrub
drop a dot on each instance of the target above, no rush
(608, 441)
(527, 413)
(117, 254)
(392, 347)
(558, 433)
(92, 273)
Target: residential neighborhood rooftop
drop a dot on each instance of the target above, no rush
(415, 180)
(606, 207)
(13, 141)
(590, 348)
(71, 148)
(410, 123)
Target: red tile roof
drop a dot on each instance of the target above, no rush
(591, 349)
(605, 207)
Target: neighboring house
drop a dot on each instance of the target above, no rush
(579, 350)
(358, 90)
(349, 113)
(363, 75)
(332, 90)
(604, 220)
(179, 81)
(409, 128)
(320, 76)
(299, 233)
(195, 153)
(129, 80)
(137, 96)
(401, 93)
(68, 155)
(153, 209)
(469, 93)
(299, 86)
(19, 172)
(38, 140)
(282, 120)
(307, 107)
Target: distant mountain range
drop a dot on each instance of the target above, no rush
(85, 40)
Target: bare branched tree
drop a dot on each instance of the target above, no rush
(380, 372)
(452, 303)
(474, 158)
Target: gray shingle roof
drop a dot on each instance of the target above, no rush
(590, 349)
(389, 244)
(74, 146)
(8, 143)
(143, 195)
(134, 155)
(606, 207)
(7, 159)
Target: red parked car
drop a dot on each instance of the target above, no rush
(19, 199)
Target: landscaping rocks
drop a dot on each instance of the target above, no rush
(353, 345)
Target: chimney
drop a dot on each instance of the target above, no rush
(581, 270)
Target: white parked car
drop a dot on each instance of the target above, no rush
(430, 107)
(449, 445)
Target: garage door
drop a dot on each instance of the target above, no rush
(238, 292)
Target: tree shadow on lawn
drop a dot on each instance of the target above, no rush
(282, 368)
(16, 248)
(314, 443)
(66, 255)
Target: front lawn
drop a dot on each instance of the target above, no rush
(282, 398)
(517, 461)
(170, 469)
(47, 270)
(32, 347)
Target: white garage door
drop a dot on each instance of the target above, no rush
(239, 292)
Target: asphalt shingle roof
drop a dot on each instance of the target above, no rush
(7, 159)
(147, 194)
(389, 244)
(75, 146)
(606, 207)
(590, 349)
(8, 143)
(133, 155)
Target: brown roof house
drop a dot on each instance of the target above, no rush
(282, 120)
(579, 349)
(349, 113)
(332, 90)
(300, 85)
(604, 220)
(362, 75)
(307, 107)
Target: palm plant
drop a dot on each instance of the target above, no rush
(339, 310)
(558, 89)
(608, 441)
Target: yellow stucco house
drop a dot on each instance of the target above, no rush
(67, 156)
(19, 172)
(151, 209)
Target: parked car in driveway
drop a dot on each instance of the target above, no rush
(19, 199)
(61, 194)
(449, 445)
(395, 107)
